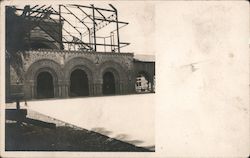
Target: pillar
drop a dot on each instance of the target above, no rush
(66, 89)
(121, 88)
(63, 89)
(97, 87)
(33, 91)
(60, 89)
(91, 89)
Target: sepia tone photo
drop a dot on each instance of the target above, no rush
(69, 71)
(124, 78)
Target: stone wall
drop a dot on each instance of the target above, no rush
(60, 64)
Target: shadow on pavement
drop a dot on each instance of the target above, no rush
(27, 137)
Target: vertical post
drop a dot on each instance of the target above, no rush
(90, 38)
(60, 28)
(17, 104)
(111, 43)
(17, 96)
(29, 28)
(94, 26)
(81, 40)
(113, 39)
(104, 44)
(117, 31)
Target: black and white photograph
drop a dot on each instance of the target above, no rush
(124, 79)
(68, 76)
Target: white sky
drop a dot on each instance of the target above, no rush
(141, 29)
(141, 18)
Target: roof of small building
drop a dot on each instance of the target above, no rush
(144, 58)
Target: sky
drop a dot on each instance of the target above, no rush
(140, 31)
(141, 28)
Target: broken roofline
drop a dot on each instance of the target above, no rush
(91, 44)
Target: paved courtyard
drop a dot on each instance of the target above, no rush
(129, 118)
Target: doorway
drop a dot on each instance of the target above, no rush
(79, 85)
(45, 86)
(108, 87)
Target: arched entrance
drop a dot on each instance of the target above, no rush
(45, 86)
(79, 85)
(108, 87)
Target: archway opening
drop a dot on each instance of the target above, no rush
(108, 87)
(45, 86)
(143, 84)
(79, 85)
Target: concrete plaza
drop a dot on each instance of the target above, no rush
(129, 118)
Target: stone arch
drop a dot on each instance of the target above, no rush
(83, 64)
(120, 75)
(79, 83)
(45, 81)
(43, 65)
(116, 75)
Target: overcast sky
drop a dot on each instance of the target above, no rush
(140, 31)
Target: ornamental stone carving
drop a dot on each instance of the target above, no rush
(60, 64)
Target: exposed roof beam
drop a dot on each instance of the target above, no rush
(87, 15)
(92, 8)
(112, 7)
(111, 21)
(75, 16)
(100, 13)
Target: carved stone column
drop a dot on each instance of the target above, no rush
(97, 88)
(67, 88)
(91, 89)
(33, 90)
(60, 89)
(63, 89)
(56, 91)
(121, 89)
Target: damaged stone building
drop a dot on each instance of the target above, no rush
(48, 56)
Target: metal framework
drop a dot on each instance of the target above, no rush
(78, 27)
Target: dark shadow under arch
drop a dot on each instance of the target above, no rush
(79, 84)
(108, 86)
(45, 86)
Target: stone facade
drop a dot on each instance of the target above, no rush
(46, 56)
(61, 63)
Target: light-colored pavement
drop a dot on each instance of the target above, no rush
(129, 118)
